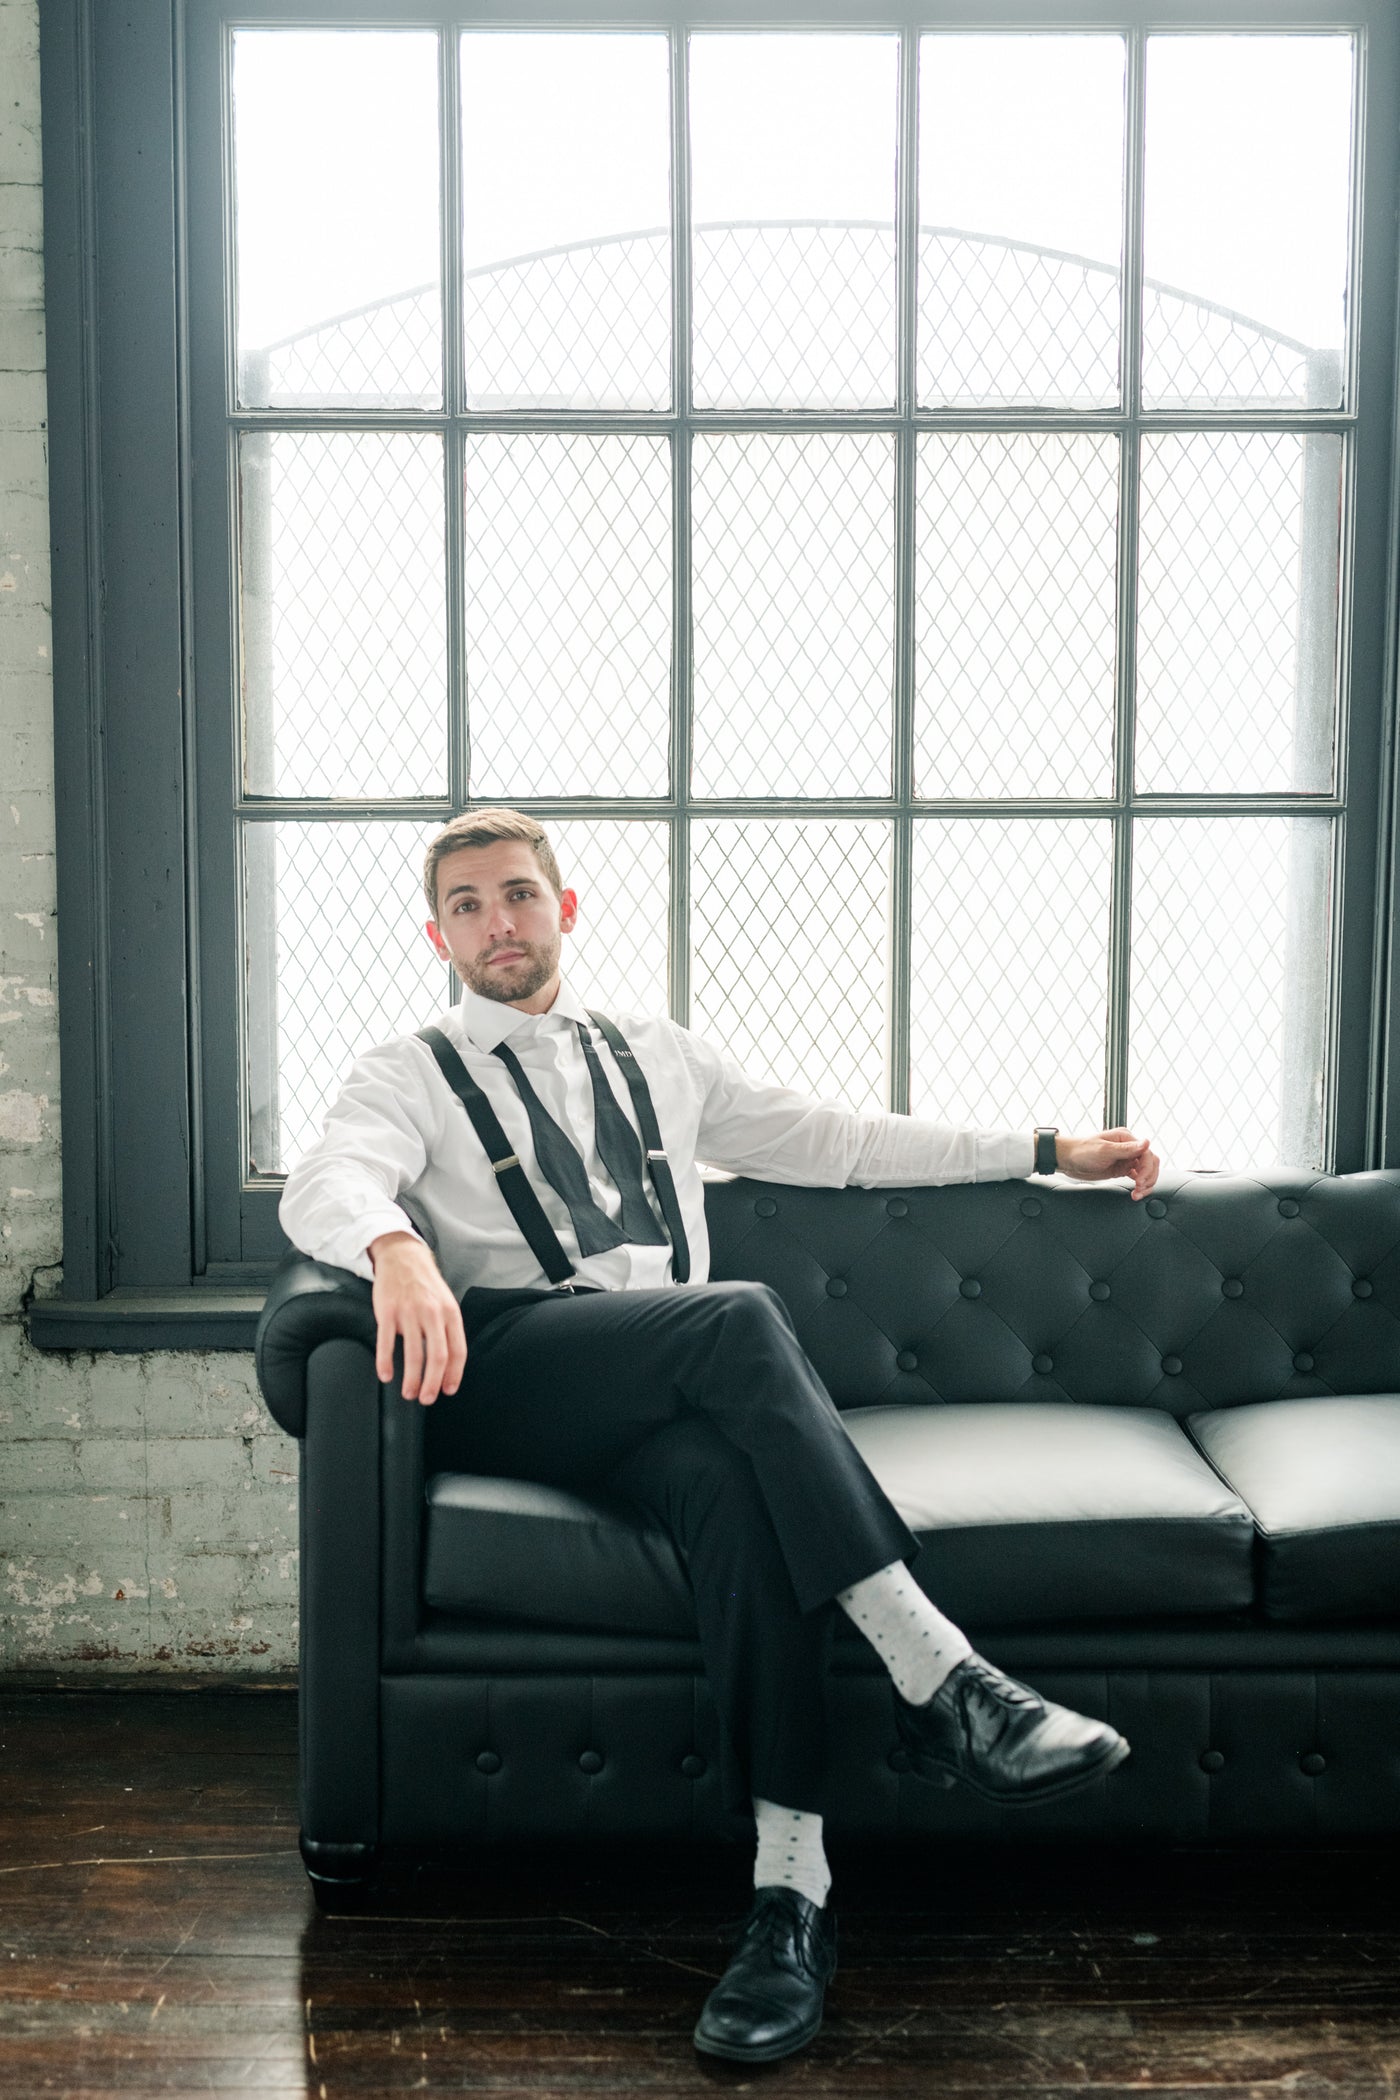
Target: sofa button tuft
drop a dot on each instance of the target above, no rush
(896, 1208)
(906, 1360)
(836, 1286)
(1211, 1760)
(590, 1761)
(1302, 1361)
(1313, 1763)
(1171, 1365)
(765, 1208)
(970, 1287)
(1042, 1363)
(899, 1760)
(693, 1766)
(1361, 1288)
(1156, 1208)
(1288, 1208)
(1030, 1207)
(488, 1761)
(1098, 1291)
(1232, 1287)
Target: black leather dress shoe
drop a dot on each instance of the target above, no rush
(769, 2000)
(1002, 1739)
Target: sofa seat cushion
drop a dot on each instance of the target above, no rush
(1027, 1512)
(1322, 1477)
(511, 1549)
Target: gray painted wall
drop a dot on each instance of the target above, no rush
(147, 1503)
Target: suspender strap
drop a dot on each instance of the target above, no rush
(511, 1179)
(658, 1166)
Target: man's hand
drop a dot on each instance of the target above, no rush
(1111, 1153)
(411, 1299)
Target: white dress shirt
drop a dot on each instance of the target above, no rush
(397, 1152)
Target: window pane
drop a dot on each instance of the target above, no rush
(1237, 611)
(792, 151)
(1245, 232)
(568, 587)
(1010, 970)
(336, 189)
(793, 614)
(1229, 1002)
(1020, 219)
(566, 221)
(791, 950)
(338, 961)
(343, 613)
(1016, 581)
(616, 956)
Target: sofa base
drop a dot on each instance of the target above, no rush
(1293, 1754)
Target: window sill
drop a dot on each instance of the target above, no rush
(199, 1317)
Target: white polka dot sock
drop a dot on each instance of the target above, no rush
(790, 1852)
(914, 1641)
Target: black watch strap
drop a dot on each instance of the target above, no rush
(1045, 1148)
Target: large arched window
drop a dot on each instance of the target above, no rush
(905, 501)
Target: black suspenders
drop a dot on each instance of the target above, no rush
(524, 1205)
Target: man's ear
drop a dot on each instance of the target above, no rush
(568, 910)
(444, 953)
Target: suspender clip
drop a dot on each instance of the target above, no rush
(656, 1155)
(500, 1166)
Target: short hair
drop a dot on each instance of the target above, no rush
(487, 827)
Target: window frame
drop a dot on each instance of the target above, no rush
(167, 1240)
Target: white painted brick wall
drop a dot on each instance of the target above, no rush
(147, 1504)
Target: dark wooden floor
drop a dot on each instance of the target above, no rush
(156, 1937)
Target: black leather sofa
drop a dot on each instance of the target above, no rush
(1152, 1449)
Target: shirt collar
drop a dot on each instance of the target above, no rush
(486, 1022)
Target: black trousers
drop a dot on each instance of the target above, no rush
(699, 1406)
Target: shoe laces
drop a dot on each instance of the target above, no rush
(770, 1924)
(992, 1683)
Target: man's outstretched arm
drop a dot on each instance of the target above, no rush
(752, 1126)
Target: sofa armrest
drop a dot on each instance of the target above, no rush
(309, 1302)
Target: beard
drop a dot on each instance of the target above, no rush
(520, 980)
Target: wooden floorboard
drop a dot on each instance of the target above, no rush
(157, 1938)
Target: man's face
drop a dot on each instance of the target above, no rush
(500, 925)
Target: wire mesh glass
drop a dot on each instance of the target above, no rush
(793, 609)
(567, 554)
(616, 957)
(335, 143)
(1227, 1026)
(790, 950)
(566, 220)
(343, 613)
(1015, 615)
(1237, 611)
(342, 963)
(792, 193)
(1009, 984)
(1246, 193)
(1021, 139)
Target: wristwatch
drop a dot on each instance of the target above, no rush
(1045, 1147)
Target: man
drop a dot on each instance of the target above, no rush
(520, 1183)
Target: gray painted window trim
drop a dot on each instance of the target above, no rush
(148, 923)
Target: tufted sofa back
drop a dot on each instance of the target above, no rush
(1214, 1291)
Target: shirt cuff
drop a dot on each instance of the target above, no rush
(357, 1237)
(1005, 1155)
